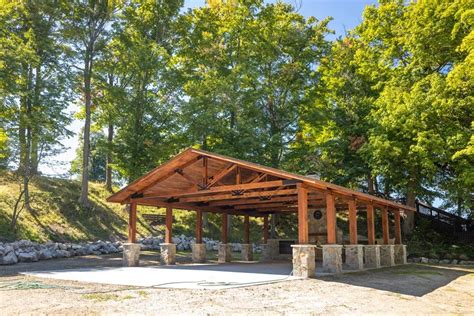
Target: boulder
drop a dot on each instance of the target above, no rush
(62, 254)
(463, 257)
(454, 261)
(433, 261)
(28, 256)
(9, 258)
(45, 254)
(424, 260)
(445, 261)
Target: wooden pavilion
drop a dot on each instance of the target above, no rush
(202, 181)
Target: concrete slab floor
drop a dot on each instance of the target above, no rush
(211, 275)
(185, 276)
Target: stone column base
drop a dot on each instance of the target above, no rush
(266, 254)
(224, 253)
(372, 256)
(332, 258)
(247, 252)
(131, 255)
(400, 254)
(304, 261)
(168, 253)
(387, 258)
(354, 256)
(273, 248)
(198, 253)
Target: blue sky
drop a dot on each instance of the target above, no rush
(346, 15)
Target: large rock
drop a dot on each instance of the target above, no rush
(28, 256)
(45, 254)
(9, 258)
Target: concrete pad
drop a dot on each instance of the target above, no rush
(192, 276)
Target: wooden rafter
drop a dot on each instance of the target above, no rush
(222, 174)
(258, 194)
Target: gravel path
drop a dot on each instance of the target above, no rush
(413, 288)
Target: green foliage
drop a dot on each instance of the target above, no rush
(246, 68)
(397, 105)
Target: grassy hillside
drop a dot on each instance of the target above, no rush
(57, 216)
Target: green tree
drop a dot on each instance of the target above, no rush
(246, 68)
(85, 26)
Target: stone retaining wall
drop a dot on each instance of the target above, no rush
(29, 251)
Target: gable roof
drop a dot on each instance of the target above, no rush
(167, 179)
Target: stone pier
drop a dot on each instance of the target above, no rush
(168, 253)
(273, 248)
(372, 256)
(354, 256)
(332, 258)
(400, 254)
(247, 252)
(387, 255)
(198, 253)
(304, 261)
(131, 255)
(265, 255)
(224, 253)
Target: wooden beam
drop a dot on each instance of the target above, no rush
(385, 230)
(169, 174)
(224, 237)
(370, 225)
(238, 176)
(303, 233)
(186, 176)
(221, 174)
(256, 200)
(228, 188)
(331, 218)
(198, 227)
(205, 172)
(398, 231)
(229, 196)
(265, 229)
(246, 229)
(352, 222)
(259, 177)
(169, 225)
(132, 223)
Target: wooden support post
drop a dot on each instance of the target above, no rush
(199, 227)
(331, 218)
(352, 222)
(246, 229)
(224, 236)
(398, 231)
(385, 231)
(265, 229)
(169, 224)
(370, 225)
(303, 233)
(132, 223)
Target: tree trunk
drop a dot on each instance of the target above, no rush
(35, 127)
(108, 169)
(229, 225)
(370, 184)
(409, 221)
(84, 198)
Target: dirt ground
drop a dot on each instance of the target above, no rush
(409, 289)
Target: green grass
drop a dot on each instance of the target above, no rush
(57, 215)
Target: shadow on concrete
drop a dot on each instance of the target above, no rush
(410, 279)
